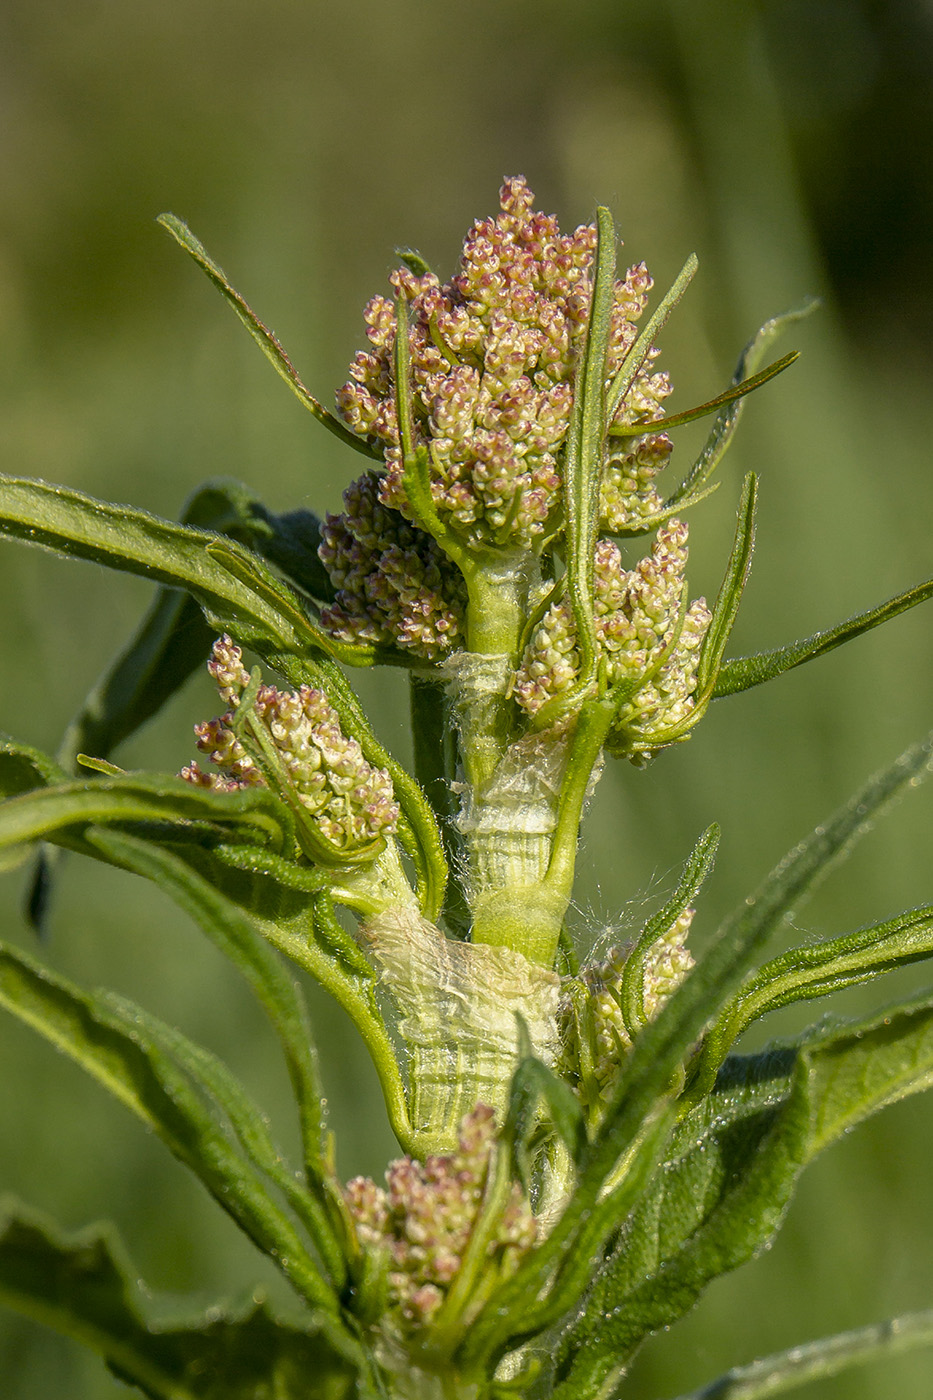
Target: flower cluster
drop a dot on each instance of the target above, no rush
(494, 353)
(394, 585)
(665, 967)
(425, 1215)
(352, 803)
(643, 635)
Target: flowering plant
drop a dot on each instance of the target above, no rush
(583, 1150)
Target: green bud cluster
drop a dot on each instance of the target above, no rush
(646, 638)
(352, 803)
(596, 1036)
(424, 1217)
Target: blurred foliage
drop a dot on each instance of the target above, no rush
(303, 141)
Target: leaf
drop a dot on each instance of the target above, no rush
(263, 337)
(727, 602)
(231, 931)
(213, 1078)
(238, 602)
(743, 672)
(725, 1196)
(693, 876)
(234, 902)
(632, 1129)
(727, 420)
(122, 537)
(689, 415)
(113, 1047)
(635, 358)
(583, 453)
(51, 813)
(811, 1361)
(803, 974)
(535, 1085)
(83, 1286)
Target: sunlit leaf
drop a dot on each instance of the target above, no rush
(83, 1286)
(263, 337)
(112, 1045)
(743, 672)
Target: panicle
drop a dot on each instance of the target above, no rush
(493, 356)
(394, 585)
(644, 638)
(352, 803)
(424, 1216)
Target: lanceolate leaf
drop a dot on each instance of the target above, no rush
(727, 420)
(231, 931)
(50, 813)
(651, 1073)
(113, 1047)
(813, 1361)
(82, 1286)
(689, 415)
(248, 601)
(803, 974)
(236, 903)
(583, 454)
(743, 672)
(722, 1196)
(263, 337)
(730, 594)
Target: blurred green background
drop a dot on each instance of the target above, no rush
(788, 143)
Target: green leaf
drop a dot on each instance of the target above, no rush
(584, 450)
(234, 900)
(743, 672)
(803, 974)
(635, 1122)
(83, 1286)
(724, 1191)
(727, 602)
(50, 814)
(727, 420)
(811, 1361)
(693, 876)
(122, 537)
(248, 602)
(112, 1045)
(635, 358)
(535, 1085)
(231, 931)
(689, 415)
(263, 337)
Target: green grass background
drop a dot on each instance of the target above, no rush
(787, 143)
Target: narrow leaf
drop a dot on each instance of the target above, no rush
(48, 813)
(122, 537)
(83, 1286)
(693, 876)
(114, 1049)
(583, 454)
(743, 672)
(737, 1183)
(813, 1361)
(230, 929)
(689, 415)
(803, 974)
(263, 337)
(727, 602)
(727, 420)
(635, 358)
